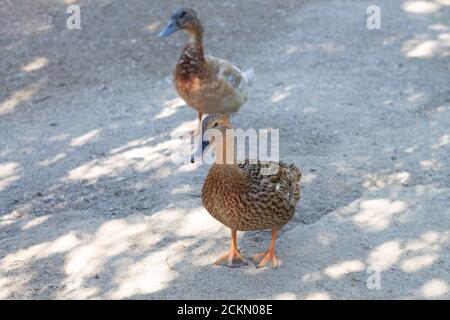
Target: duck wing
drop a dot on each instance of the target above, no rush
(225, 86)
(279, 190)
(233, 75)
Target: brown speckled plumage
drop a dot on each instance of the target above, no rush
(245, 197)
(210, 86)
(241, 198)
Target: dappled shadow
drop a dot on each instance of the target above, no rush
(93, 205)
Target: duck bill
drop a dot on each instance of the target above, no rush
(198, 153)
(169, 29)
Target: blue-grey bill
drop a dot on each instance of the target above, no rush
(199, 151)
(169, 29)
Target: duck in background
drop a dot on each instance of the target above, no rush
(243, 196)
(207, 84)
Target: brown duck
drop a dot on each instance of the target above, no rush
(241, 197)
(207, 84)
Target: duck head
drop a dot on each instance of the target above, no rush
(220, 123)
(182, 19)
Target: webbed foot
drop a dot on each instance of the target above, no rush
(232, 259)
(268, 257)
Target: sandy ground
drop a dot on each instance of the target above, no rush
(92, 205)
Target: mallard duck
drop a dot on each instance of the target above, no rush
(243, 197)
(207, 84)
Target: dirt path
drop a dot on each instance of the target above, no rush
(92, 206)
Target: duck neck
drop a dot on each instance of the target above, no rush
(193, 51)
(196, 35)
(225, 150)
(192, 60)
(225, 168)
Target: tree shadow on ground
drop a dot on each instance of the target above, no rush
(94, 207)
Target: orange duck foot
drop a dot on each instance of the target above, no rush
(232, 259)
(268, 257)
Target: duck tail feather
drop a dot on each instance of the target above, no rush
(295, 175)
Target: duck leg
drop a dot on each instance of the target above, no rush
(197, 130)
(264, 258)
(233, 257)
(199, 123)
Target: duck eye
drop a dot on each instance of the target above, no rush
(182, 14)
(215, 124)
